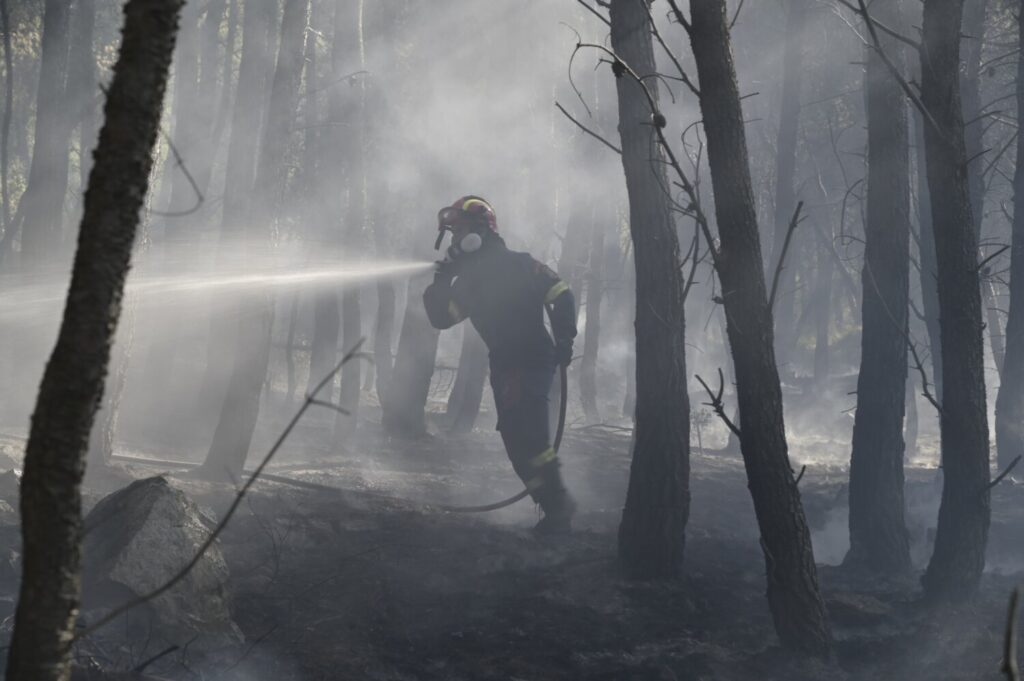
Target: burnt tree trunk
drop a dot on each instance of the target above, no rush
(404, 408)
(592, 328)
(929, 267)
(246, 119)
(468, 389)
(1010, 398)
(652, 532)
(82, 87)
(72, 385)
(785, 176)
(878, 535)
(348, 39)
(42, 214)
(962, 534)
(233, 436)
(793, 595)
(824, 275)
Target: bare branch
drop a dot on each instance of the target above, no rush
(999, 478)
(782, 256)
(885, 29)
(588, 130)
(595, 12)
(716, 401)
(187, 568)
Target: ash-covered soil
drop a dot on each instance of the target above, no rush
(361, 578)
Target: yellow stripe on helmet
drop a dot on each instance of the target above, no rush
(472, 202)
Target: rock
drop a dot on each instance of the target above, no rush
(138, 538)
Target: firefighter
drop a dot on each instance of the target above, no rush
(504, 294)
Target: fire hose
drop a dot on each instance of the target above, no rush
(562, 404)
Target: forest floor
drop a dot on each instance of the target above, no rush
(367, 581)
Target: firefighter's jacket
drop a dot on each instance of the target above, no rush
(504, 293)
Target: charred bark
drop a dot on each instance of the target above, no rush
(652, 532)
(878, 535)
(72, 383)
(962, 534)
(793, 595)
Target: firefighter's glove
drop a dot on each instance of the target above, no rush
(563, 352)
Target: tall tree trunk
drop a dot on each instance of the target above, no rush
(1010, 398)
(592, 330)
(186, 134)
(5, 129)
(349, 24)
(652, 532)
(974, 14)
(201, 163)
(824, 276)
(793, 595)
(82, 89)
(72, 385)
(42, 217)
(404, 408)
(929, 265)
(246, 118)
(878, 533)
(962, 534)
(785, 176)
(468, 389)
(238, 418)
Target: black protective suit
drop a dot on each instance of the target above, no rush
(504, 294)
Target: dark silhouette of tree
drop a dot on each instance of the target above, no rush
(42, 205)
(241, 408)
(878, 534)
(1010, 398)
(72, 383)
(962, 534)
(793, 595)
(785, 173)
(652, 531)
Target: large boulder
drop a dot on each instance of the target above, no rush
(137, 539)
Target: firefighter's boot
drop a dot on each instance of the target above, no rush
(555, 502)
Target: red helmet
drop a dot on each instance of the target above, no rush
(467, 209)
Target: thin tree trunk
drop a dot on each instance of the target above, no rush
(72, 384)
(468, 389)
(246, 118)
(42, 217)
(1010, 398)
(785, 175)
(824, 277)
(964, 514)
(929, 266)
(878, 533)
(912, 422)
(592, 330)
(793, 596)
(404, 409)
(5, 130)
(233, 435)
(355, 237)
(82, 89)
(652, 532)
(205, 113)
